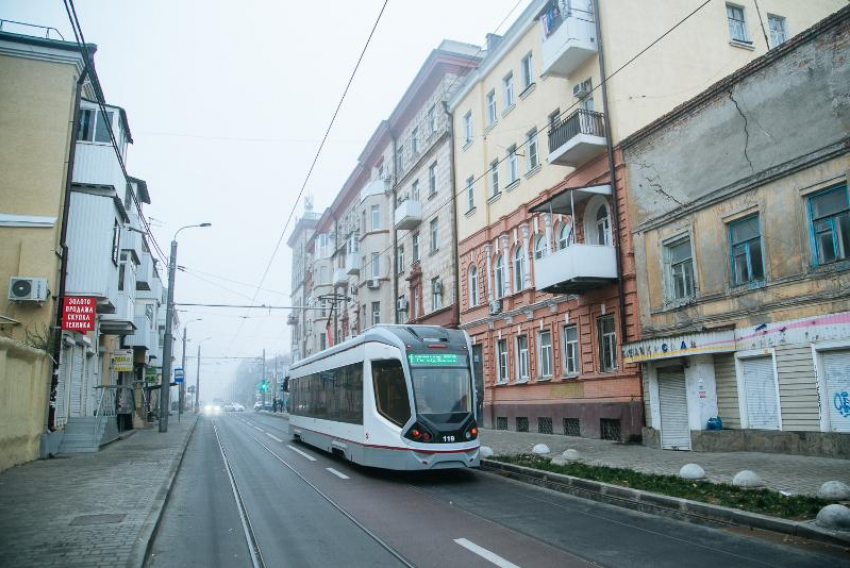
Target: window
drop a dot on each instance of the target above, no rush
(519, 268)
(376, 313)
(602, 227)
(470, 193)
(513, 170)
(436, 293)
(500, 277)
(565, 236)
(323, 275)
(532, 159)
(376, 265)
(680, 270)
(544, 353)
(435, 233)
(122, 274)
(94, 126)
(830, 214)
(322, 338)
(391, 397)
(432, 179)
(116, 242)
(522, 358)
(364, 229)
(502, 360)
(473, 286)
(491, 108)
(540, 246)
(414, 141)
(747, 263)
(527, 72)
(778, 32)
(415, 242)
(414, 309)
(334, 394)
(399, 159)
(570, 340)
(737, 24)
(607, 338)
(376, 217)
(467, 128)
(400, 259)
(432, 118)
(494, 178)
(401, 304)
(508, 90)
(414, 190)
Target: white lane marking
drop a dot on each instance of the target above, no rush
(485, 554)
(297, 451)
(337, 473)
(273, 437)
(256, 428)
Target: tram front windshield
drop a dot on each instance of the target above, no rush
(442, 390)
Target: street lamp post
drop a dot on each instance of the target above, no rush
(183, 384)
(165, 384)
(198, 378)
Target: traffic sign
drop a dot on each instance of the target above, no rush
(178, 375)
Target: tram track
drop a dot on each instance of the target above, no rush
(378, 540)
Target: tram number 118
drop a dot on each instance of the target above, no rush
(448, 438)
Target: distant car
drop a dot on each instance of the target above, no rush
(212, 409)
(229, 408)
(238, 407)
(258, 406)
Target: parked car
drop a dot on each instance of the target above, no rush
(238, 407)
(229, 407)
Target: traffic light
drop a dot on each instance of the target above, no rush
(264, 386)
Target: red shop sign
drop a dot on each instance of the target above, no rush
(78, 313)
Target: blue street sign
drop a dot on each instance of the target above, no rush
(178, 375)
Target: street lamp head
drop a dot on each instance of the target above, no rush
(205, 225)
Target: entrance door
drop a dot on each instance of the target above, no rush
(673, 398)
(836, 368)
(760, 391)
(478, 369)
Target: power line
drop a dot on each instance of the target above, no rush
(316, 157)
(249, 306)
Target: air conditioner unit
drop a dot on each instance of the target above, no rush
(495, 307)
(26, 289)
(581, 90)
(374, 283)
(402, 304)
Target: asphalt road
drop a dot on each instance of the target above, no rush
(307, 508)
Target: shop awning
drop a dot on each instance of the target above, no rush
(680, 346)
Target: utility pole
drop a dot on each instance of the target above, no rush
(183, 366)
(198, 381)
(264, 378)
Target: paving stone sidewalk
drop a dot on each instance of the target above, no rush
(94, 509)
(794, 474)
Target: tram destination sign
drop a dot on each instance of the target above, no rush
(436, 360)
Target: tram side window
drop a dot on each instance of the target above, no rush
(335, 394)
(391, 391)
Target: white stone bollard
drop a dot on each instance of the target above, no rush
(486, 452)
(834, 517)
(747, 479)
(691, 471)
(834, 491)
(540, 449)
(568, 456)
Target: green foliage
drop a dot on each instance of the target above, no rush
(763, 501)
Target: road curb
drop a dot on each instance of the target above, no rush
(647, 502)
(142, 545)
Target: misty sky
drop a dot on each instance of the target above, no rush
(227, 104)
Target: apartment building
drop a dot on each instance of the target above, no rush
(546, 262)
(743, 271)
(302, 281)
(42, 84)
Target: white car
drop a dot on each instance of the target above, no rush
(238, 407)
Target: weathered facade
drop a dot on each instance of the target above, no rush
(301, 283)
(740, 211)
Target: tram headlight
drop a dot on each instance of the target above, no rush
(471, 433)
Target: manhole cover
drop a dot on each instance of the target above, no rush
(106, 519)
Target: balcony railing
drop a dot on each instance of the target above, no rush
(569, 32)
(577, 138)
(576, 269)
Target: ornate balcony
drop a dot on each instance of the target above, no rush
(576, 139)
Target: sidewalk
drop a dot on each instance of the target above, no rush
(95, 509)
(793, 474)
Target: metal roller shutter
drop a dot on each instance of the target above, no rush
(62, 379)
(760, 387)
(836, 366)
(76, 402)
(673, 399)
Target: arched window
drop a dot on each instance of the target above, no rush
(565, 235)
(597, 222)
(540, 246)
(473, 286)
(519, 268)
(500, 277)
(603, 226)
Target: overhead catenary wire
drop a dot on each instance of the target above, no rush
(316, 157)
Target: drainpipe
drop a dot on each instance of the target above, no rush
(395, 266)
(610, 146)
(63, 244)
(454, 247)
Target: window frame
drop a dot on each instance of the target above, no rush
(492, 108)
(522, 355)
(472, 282)
(470, 193)
(733, 246)
(548, 360)
(375, 261)
(783, 22)
(527, 68)
(813, 232)
(569, 344)
(742, 23)
(502, 361)
(414, 141)
(670, 267)
(494, 178)
(607, 340)
(435, 235)
(532, 156)
(499, 276)
(415, 252)
(375, 211)
(519, 268)
(400, 259)
(513, 165)
(414, 190)
(432, 179)
(436, 299)
(376, 313)
(508, 91)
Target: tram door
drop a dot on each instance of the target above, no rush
(478, 370)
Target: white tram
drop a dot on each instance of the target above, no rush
(395, 397)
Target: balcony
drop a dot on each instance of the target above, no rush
(352, 263)
(144, 273)
(569, 41)
(340, 277)
(292, 319)
(96, 164)
(143, 336)
(576, 139)
(408, 214)
(576, 269)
